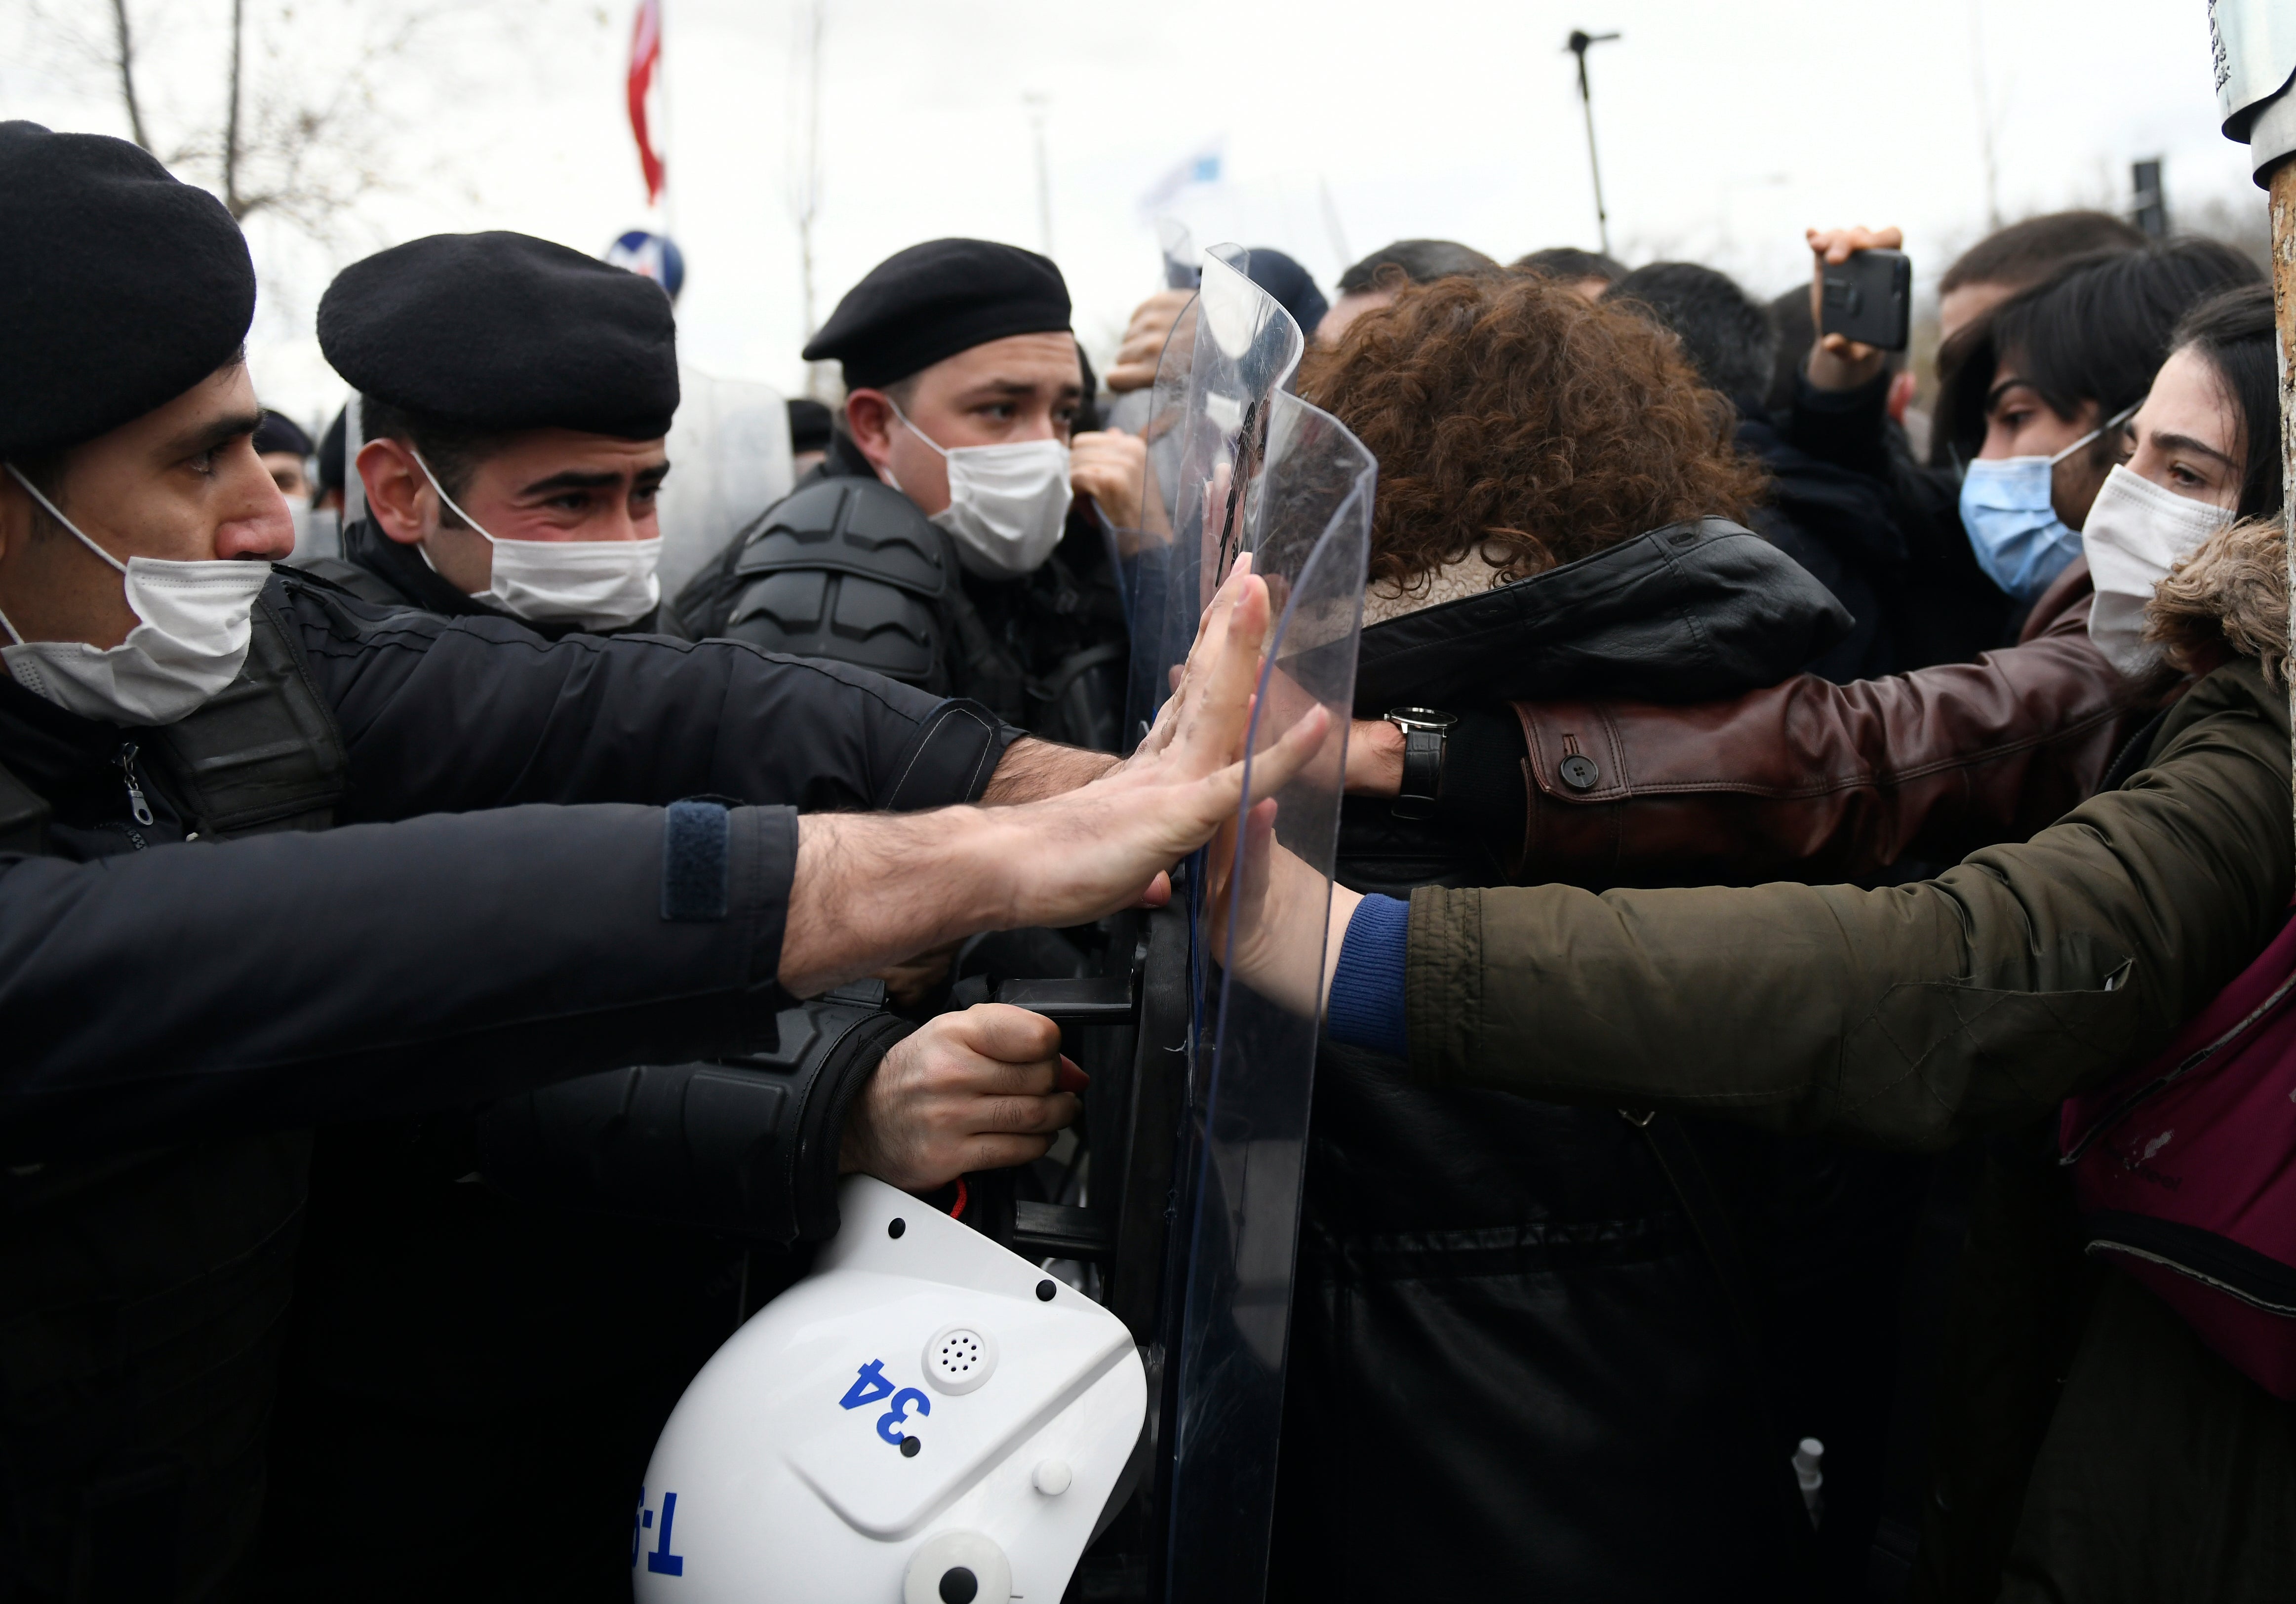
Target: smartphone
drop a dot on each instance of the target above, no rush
(1870, 298)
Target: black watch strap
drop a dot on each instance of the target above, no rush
(1422, 774)
(1426, 733)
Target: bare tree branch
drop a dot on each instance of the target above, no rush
(231, 116)
(125, 53)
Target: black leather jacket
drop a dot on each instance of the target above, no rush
(1515, 1371)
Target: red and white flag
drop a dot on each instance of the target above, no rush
(645, 62)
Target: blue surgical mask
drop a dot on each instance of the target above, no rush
(2006, 505)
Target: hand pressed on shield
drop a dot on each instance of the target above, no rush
(872, 888)
(1268, 926)
(983, 1089)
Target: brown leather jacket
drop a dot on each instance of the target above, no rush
(1815, 782)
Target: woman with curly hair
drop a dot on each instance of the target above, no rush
(1523, 1361)
(2112, 1415)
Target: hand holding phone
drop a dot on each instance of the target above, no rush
(1843, 359)
(1868, 298)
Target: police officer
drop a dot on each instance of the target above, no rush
(958, 534)
(193, 960)
(514, 399)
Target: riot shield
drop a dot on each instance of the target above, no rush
(1252, 470)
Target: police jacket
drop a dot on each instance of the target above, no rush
(847, 568)
(1510, 1326)
(529, 943)
(191, 956)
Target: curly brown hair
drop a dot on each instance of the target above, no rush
(1512, 417)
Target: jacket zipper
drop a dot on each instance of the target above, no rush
(136, 804)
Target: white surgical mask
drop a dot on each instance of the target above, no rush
(194, 623)
(2134, 533)
(592, 584)
(1007, 504)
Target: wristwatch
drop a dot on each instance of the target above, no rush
(1426, 732)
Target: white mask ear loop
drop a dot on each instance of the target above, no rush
(914, 430)
(2114, 422)
(450, 499)
(55, 513)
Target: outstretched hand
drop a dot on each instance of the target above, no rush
(1109, 844)
(870, 890)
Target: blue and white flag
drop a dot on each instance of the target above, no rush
(1202, 169)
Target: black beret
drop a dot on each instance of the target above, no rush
(810, 424)
(500, 332)
(279, 432)
(124, 287)
(331, 451)
(931, 302)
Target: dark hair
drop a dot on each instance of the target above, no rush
(1293, 286)
(2098, 330)
(1727, 335)
(1413, 262)
(2025, 253)
(1511, 416)
(1797, 333)
(1569, 264)
(2236, 333)
(453, 453)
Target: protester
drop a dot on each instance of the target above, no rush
(1590, 272)
(1807, 781)
(1943, 608)
(1834, 522)
(180, 1002)
(1532, 1345)
(1969, 1005)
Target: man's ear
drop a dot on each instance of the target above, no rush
(869, 418)
(398, 497)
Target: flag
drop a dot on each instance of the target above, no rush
(1202, 167)
(646, 61)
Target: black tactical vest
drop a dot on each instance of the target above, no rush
(143, 1295)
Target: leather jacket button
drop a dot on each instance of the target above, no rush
(1578, 771)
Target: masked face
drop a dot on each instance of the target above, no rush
(1007, 504)
(193, 624)
(2007, 506)
(2134, 533)
(597, 584)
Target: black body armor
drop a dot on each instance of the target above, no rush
(143, 1296)
(847, 568)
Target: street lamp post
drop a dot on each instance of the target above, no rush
(1577, 45)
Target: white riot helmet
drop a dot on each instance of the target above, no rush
(925, 1417)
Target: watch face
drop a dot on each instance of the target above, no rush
(1421, 718)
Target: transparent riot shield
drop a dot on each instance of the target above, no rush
(1253, 470)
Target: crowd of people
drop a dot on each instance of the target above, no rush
(447, 971)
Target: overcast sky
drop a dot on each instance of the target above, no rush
(1723, 130)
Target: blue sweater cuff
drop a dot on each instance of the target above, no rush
(1366, 1007)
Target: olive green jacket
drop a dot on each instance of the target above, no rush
(1922, 1016)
